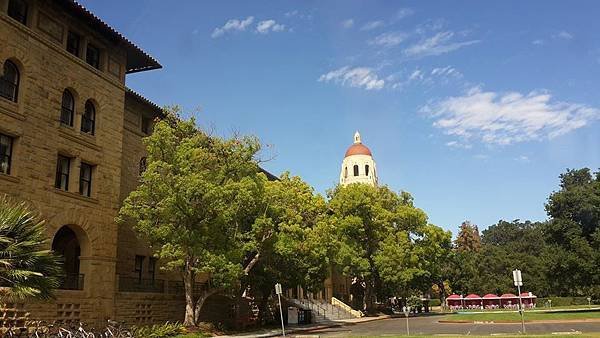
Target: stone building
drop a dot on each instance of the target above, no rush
(71, 145)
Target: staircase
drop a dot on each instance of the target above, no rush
(323, 312)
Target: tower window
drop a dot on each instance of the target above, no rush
(17, 9)
(9, 81)
(68, 108)
(356, 170)
(85, 180)
(92, 56)
(73, 42)
(366, 170)
(63, 167)
(345, 172)
(88, 119)
(6, 145)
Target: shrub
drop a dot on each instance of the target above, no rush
(435, 302)
(564, 301)
(159, 330)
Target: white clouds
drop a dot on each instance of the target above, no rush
(266, 26)
(403, 13)
(348, 23)
(508, 118)
(358, 77)
(389, 39)
(538, 42)
(563, 35)
(232, 25)
(438, 44)
(446, 71)
(372, 25)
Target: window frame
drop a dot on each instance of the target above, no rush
(93, 62)
(7, 157)
(146, 125)
(60, 175)
(366, 170)
(70, 110)
(139, 269)
(152, 267)
(356, 170)
(85, 119)
(13, 85)
(22, 18)
(77, 48)
(83, 166)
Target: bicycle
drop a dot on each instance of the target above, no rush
(116, 330)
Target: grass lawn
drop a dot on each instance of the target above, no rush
(507, 336)
(529, 316)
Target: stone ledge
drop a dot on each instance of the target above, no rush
(9, 178)
(70, 134)
(76, 196)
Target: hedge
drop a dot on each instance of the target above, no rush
(565, 301)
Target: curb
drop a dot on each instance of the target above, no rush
(556, 321)
(310, 329)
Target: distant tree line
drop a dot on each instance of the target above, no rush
(558, 257)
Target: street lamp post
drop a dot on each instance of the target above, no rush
(518, 280)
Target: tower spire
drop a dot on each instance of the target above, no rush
(357, 137)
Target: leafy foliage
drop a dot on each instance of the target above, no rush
(27, 268)
(381, 239)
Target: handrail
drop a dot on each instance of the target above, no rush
(346, 307)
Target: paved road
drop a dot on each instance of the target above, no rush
(430, 325)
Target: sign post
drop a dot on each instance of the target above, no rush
(406, 310)
(518, 280)
(278, 291)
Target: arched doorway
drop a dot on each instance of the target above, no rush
(67, 245)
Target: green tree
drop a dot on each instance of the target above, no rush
(288, 240)
(192, 203)
(384, 240)
(468, 238)
(573, 233)
(27, 268)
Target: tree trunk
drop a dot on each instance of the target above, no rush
(188, 283)
(200, 303)
(442, 294)
(369, 297)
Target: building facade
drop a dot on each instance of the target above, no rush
(71, 145)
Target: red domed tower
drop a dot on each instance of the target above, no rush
(358, 165)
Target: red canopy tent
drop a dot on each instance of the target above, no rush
(454, 300)
(508, 300)
(528, 299)
(473, 301)
(491, 301)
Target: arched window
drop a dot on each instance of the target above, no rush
(68, 108)
(88, 119)
(9, 82)
(17, 9)
(366, 170)
(143, 165)
(356, 170)
(345, 172)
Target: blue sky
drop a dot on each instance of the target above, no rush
(474, 107)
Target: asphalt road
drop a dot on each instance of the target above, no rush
(430, 326)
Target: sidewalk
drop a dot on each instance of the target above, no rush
(294, 329)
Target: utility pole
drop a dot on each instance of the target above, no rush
(279, 291)
(518, 280)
